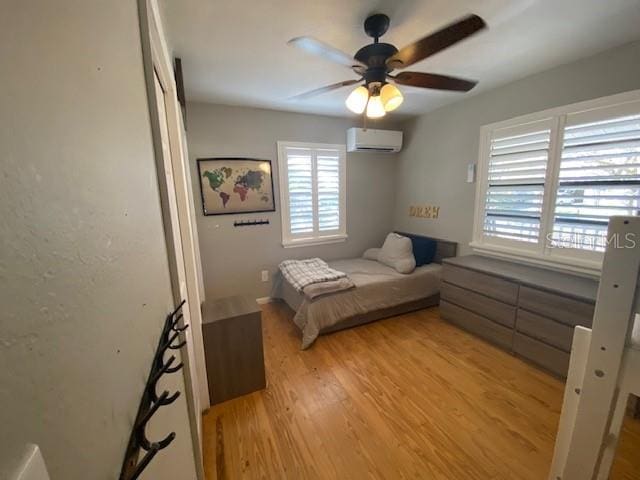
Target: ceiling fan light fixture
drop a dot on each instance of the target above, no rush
(375, 108)
(391, 97)
(375, 62)
(357, 100)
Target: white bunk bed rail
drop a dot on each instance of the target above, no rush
(604, 367)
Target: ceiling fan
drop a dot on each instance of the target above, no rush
(375, 62)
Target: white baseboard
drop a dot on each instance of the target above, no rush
(263, 300)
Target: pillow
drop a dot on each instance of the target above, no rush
(424, 249)
(397, 253)
(371, 254)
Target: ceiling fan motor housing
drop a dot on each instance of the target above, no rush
(375, 55)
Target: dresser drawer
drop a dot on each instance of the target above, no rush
(548, 357)
(565, 310)
(488, 285)
(477, 324)
(549, 331)
(484, 306)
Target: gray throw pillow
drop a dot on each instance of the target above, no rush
(397, 253)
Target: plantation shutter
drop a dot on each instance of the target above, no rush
(517, 168)
(328, 177)
(314, 194)
(599, 175)
(300, 189)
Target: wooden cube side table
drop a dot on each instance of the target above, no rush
(232, 335)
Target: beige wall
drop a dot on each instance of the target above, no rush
(233, 257)
(84, 281)
(439, 145)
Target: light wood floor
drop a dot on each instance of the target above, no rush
(406, 397)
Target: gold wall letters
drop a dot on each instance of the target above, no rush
(424, 211)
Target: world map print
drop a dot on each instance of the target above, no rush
(236, 185)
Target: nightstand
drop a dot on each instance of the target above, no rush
(232, 335)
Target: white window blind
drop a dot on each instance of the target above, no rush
(300, 186)
(328, 174)
(549, 182)
(516, 179)
(312, 184)
(599, 177)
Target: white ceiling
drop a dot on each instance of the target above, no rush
(235, 52)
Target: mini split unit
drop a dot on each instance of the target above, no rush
(371, 140)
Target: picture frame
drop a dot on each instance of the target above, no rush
(235, 185)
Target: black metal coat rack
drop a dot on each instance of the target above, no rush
(250, 223)
(151, 401)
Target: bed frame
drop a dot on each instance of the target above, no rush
(444, 249)
(604, 367)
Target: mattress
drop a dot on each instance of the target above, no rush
(377, 288)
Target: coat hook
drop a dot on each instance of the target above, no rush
(144, 462)
(134, 462)
(166, 368)
(142, 437)
(169, 341)
(178, 308)
(176, 320)
(178, 329)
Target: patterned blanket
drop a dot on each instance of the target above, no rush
(301, 273)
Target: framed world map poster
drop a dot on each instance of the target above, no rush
(235, 185)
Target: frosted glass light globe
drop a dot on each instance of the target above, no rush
(391, 97)
(357, 100)
(375, 109)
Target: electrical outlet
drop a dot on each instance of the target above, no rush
(265, 275)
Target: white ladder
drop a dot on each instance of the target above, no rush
(605, 365)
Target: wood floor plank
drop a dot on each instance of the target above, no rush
(409, 397)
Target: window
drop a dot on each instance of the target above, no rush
(517, 171)
(599, 177)
(312, 193)
(549, 182)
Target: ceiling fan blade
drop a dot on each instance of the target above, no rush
(432, 44)
(328, 88)
(324, 50)
(434, 81)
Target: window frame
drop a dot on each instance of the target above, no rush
(315, 238)
(574, 260)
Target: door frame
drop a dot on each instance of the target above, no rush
(157, 62)
(162, 64)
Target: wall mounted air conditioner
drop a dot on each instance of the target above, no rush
(371, 140)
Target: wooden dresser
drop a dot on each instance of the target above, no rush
(232, 335)
(527, 310)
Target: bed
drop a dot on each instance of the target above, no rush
(379, 292)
